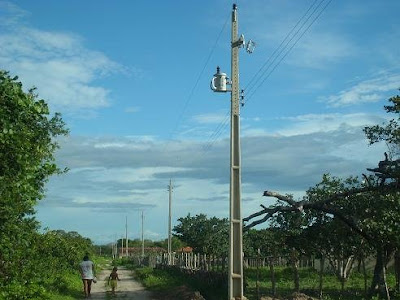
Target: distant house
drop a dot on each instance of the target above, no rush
(185, 250)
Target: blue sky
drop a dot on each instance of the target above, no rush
(131, 79)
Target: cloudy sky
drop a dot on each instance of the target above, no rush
(131, 79)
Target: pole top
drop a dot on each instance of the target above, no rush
(234, 6)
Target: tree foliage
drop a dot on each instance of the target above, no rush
(204, 235)
(346, 214)
(28, 142)
(388, 132)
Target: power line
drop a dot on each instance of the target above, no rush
(288, 51)
(198, 79)
(249, 85)
(221, 127)
(169, 139)
(217, 132)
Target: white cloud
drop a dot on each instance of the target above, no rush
(314, 47)
(317, 50)
(11, 14)
(119, 179)
(315, 123)
(59, 65)
(371, 90)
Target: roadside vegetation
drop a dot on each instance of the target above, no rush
(309, 284)
(173, 284)
(169, 282)
(33, 264)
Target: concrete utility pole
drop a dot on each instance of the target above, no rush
(126, 236)
(169, 222)
(122, 246)
(142, 237)
(116, 247)
(114, 250)
(219, 84)
(236, 234)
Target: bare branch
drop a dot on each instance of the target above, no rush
(269, 213)
(286, 199)
(270, 210)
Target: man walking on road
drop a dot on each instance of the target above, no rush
(87, 273)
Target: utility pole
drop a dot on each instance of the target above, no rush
(219, 84)
(236, 235)
(169, 222)
(126, 236)
(115, 247)
(142, 236)
(122, 246)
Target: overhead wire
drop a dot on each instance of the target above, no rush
(183, 111)
(303, 19)
(289, 50)
(217, 132)
(199, 77)
(249, 85)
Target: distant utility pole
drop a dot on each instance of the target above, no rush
(126, 236)
(219, 84)
(115, 247)
(169, 222)
(122, 246)
(142, 236)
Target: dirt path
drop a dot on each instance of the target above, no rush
(128, 288)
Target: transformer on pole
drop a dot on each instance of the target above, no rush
(219, 83)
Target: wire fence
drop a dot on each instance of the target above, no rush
(205, 262)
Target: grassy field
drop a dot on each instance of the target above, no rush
(309, 284)
(164, 281)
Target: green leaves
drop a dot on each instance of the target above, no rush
(389, 132)
(27, 144)
(209, 236)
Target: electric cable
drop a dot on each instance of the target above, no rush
(288, 51)
(198, 78)
(249, 85)
(221, 127)
(183, 111)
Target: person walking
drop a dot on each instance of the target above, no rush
(112, 280)
(87, 271)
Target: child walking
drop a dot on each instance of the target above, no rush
(112, 280)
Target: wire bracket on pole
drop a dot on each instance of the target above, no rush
(242, 102)
(239, 43)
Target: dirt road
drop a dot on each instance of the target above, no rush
(128, 288)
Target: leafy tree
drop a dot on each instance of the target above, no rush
(330, 237)
(268, 240)
(389, 132)
(208, 236)
(27, 145)
(176, 244)
(388, 170)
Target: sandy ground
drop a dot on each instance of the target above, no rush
(128, 288)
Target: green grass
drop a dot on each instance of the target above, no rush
(309, 284)
(164, 281)
(69, 287)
